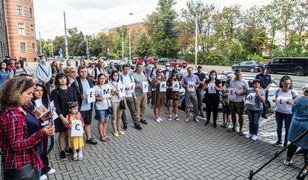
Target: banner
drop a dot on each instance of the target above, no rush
(121, 89)
(91, 95)
(162, 86)
(106, 92)
(176, 86)
(145, 87)
(231, 94)
(191, 87)
(131, 88)
(212, 88)
(76, 128)
(251, 99)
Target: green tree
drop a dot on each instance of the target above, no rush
(143, 47)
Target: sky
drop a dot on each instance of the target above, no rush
(93, 16)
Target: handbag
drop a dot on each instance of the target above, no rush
(122, 105)
(109, 107)
(24, 173)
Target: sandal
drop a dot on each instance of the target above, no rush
(107, 138)
(103, 139)
(240, 133)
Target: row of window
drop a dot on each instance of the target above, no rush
(21, 29)
(20, 11)
(23, 47)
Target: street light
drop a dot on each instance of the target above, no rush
(198, 3)
(129, 41)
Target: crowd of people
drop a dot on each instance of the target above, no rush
(60, 99)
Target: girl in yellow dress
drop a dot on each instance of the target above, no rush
(75, 142)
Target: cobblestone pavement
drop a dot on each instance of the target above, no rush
(175, 150)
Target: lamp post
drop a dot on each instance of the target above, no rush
(129, 41)
(198, 3)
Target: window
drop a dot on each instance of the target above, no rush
(31, 30)
(21, 29)
(19, 10)
(30, 12)
(33, 48)
(22, 47)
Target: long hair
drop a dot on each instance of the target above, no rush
(111, 76)
(285, 78)
(211, 72)
(13, 88)
(45, 98)
(100, 75)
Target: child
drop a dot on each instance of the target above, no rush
(225, 104)
(74, 142)
(102, 104)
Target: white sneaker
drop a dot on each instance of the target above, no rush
(75, 156)
(80, 155)
(157, 120)
(170, 118)
(176, 117)
(51, 171)
(160, 119)
(287, 163)
(248, 136)
(43, 177)
(254, 137)
(187, 119)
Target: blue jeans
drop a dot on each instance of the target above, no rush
(254, 118)
(280, 117)
(38, 151)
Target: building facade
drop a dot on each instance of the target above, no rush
(4, 49)
(21, 29)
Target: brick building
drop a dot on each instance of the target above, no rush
(21, 28)
(3, 32)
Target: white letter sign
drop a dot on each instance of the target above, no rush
(175, 86)
(76, 129)
(91, 95)
(163, 86)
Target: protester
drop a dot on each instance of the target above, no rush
(265, 82)
(190, 83)
(68, 63)
(225, 103)
(255, 99)
(70, 74)
(44, 73)
(166, 72)
(159, 98)
(81, 84)
(92, 73)
(284, 99)
(4, 74)
(199, 90)
(100, 69)
(239, 89)
(299, 124)
(15, 138)
(61, 96)
(173, 95)
(213, 88)
(129, 83)
(11, 65)
(118, 103)
(22, 62)
(111, 68)
(74, 142)
(18, 70)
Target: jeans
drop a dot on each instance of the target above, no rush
(44, 157)
(265, 104)
(280, 117)
(254, 118)
(190, 97)
(38, 150)
(199, 99)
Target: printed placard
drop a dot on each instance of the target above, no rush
(212, 88)
(251, 99)
(131, 88)
(106, 92)
(191, 87)
(145, 87)
(163, 86)
(176, 86)
(121, 89)
(231, 94)
(91, 95)
(281, 103)
(76, 129)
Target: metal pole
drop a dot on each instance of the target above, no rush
(87, 47)
(130, 45)
(122, 45)
(41, 48)
(66, 44)
(196, 40)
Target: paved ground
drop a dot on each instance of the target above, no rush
(174, 150)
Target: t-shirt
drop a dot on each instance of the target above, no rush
(254, 104)
(139, 78)
(239, 85)
(300, 107)
(19, 71)
(102, 105)
(193, 79)
(85, 106)
(281, 100)
(217, 82)
(114, 86)
(265, 80)
(127, 80)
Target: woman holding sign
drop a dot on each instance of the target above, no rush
(173, 85)
(284, 100)
(212, 87)
(159, 98)
(254, 102)
(102, 104)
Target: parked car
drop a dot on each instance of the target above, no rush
(249, 66)
(179, 62)
(163, 61)
(296, 65)
(137, 60)
(151, 60)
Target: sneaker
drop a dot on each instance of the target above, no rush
(187, 119)
(43, 177)
(299, 152)
(51, 171)
(160, 119)
(287, 163)
(254, 137)
(62, 155)
(214, 126)
(91, 141)
(157, 120)
(278, 143)
(206, 123)
(69, 151)
(176, 117)
(121, 132)
(303, 174)
(75, 156)
(196, 119)
(248, 136)
(124, 126)
(116, 134)
(143, 122)
(80, 155)
(170, 118)
(138, 127)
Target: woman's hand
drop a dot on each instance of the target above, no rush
(46, 116)
(48, 130)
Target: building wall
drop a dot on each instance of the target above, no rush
(3, 34)
(21, 28)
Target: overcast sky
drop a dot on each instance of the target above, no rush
(91, 16)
